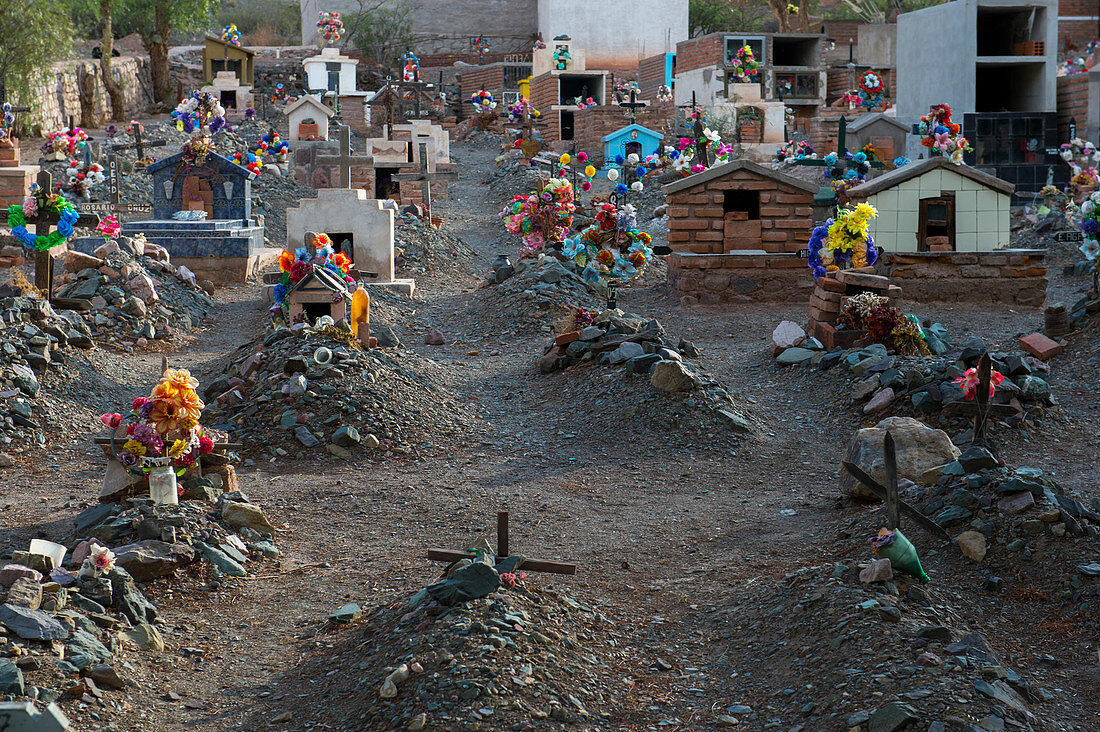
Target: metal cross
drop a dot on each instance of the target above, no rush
(633, 106)
(425, 176)
(827, 194)
(345, 159)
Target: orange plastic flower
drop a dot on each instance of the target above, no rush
(286, 259)
(165, 416)
(189, 405)
(342, 261)
(322, 240)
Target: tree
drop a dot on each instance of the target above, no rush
(107, 49)
(30, 48)
(715, 16)
(382, 29)
(883, 11)
(155, 21)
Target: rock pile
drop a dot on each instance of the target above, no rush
(136, 297)
(67, 628)
(300, 392)
(924, 385)
(419, 247)
(871, 657)
(520, 658)
(643, 348)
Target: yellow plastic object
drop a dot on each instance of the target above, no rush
(360, 309)
(525, 87)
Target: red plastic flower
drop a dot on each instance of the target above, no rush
(298, 270)
(969, 382)
(342, 261)
(111, 420)
(606, 258)
(286, 260)
(205, 444)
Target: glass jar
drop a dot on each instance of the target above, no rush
(162, 485)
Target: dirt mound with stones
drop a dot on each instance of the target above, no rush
(301, 392)
(519, 659)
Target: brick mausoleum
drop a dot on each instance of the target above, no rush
(735, 231)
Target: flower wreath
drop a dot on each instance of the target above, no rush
(41, 201)
(483, 101)
(231, 35)
(871, 89)
(562, 58)
(941, 135)
(542, 217)
(329, 26)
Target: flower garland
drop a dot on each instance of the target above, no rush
(790, 152)
(231, 35)
(166, 427)
(481, 45)
(542, 217)
(941, 135)
(329, 26)
(522, 107)
(41, 201)
(872, 89)
(843, 240)
(744, 67)
(612, 248)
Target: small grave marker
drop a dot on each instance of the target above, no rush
(503, 550)
(425, 176)
(345, 159)
(980, 408)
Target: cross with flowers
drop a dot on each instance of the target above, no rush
(840, 165)
(978, 387)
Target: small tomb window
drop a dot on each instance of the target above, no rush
(742, 201)
(344, 242)
(937, 223)
(314, 310)
(736, 43)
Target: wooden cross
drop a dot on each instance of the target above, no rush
(139, 144)
(528, 144)
(889, 493)
(980, 408)
(417, 87)
(115, 207)
(43, 262)
(534, 565)
(425, 176)
(634, 105)
(345, 159)
(827, 194)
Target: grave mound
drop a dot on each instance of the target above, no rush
(302, 392)
(516, 658)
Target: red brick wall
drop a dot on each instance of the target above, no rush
(1079, 32)
(1073, 103)
(592, 124)
(651, 74)
(842, 31)
(544, 95)
(695, 53)
(696, 222)
(821, 129)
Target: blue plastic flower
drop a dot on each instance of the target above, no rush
(621, 189)
(901, 160)
(830, 159)
(619, 160)
(861, 157)
(279, 293)
(301, 254)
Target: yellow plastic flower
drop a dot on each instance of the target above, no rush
(133, 447)
(165, 416)
(177, 448)
(564, 159)
(189, 404)
(590, 170)
(181, 378)
(865, 212)
(188, 423)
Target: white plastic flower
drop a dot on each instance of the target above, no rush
(1095, 197)
(711, 135)
(682, 162)
(1091, 249)
(632, 158)
(1066, 154)
(1087, 207)
(628, 209)
(613, 175)
(636, 185)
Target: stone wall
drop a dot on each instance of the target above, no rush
(710, 279)
(75, 89)
(1009, 276)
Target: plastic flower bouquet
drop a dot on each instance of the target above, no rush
(884, 323)
(843, 241)
(65, 143)
(789, 152)
(872, 89)
(81, 180)
(942, 136)
(301, 262)
(202, 116)
(165, 429)
(744, 68)
(612, 248)
(541, 217)
(329, 26)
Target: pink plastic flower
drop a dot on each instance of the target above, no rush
(582, 157)
(698, 168)
(969, 382)
(111, 420)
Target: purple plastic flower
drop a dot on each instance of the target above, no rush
(146, 410)
(216, 124)
(128, 459)
(872, 250)
(1090, 227)
(188, 125)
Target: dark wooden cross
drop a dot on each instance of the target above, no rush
(139, 145)
(114, 206)
(503, 550)
(980, 408)
(528, 144)
(425, 176)
(827, 194)
(634, 105)
(889, 493)
(417, 86)
(345, 159)
(43, 261)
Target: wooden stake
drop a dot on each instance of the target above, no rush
(502, 534)
(892, 518)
